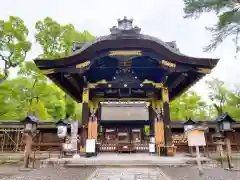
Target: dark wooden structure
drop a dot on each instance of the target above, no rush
(47, 138)
(126, 66)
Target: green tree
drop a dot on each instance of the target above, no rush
(70, 106)
(38, 109)
(57, 40)
(19, 99)
(188, 105)
(77, 115)
(13, 44)
(228, 18)
(218, 94)
(233, 104)
(30, 70)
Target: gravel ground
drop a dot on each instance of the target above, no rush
(191, 173)
(59, 173)
(141, 173)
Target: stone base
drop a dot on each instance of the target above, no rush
(231, 169)
(26, 169)
(124, 160)
(90, 154)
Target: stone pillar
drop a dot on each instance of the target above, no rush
(85, 116)
(166, 117)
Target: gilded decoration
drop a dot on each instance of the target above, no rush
(83, 65)
(157, 85)
(85, 97)
(168, 64)
(94, 85)
(204, 70)
(165, 97)
(125, 53)
(48, 71)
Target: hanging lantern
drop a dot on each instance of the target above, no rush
(30, 123)
(62, 128)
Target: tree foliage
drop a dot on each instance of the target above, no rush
(218, 94)
(13, 44)
(57, 40)
(228, 18)
(188, 105)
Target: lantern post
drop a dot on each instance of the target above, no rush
(29, 131)
(224, 126)
(62, 126)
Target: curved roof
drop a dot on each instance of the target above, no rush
(129, 38)
(70, 74)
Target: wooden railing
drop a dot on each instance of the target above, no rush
(181, 139)
(108, 147)
(113, 147)
(142, 147)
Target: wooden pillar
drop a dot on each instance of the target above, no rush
(229, 149)
(151, 120)
(93, 122)
(85, 116)
(28, 140)
(83, 137)
(166, 117)
(159, 125)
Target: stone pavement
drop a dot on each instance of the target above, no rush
(191, 173)
(123, 173)
(123, 160)
(128, 174)
(59, 173)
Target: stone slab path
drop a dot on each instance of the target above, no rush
(123, 159)
(128, 174)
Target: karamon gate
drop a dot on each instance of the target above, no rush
(125, 81)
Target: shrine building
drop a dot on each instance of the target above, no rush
(125, 81)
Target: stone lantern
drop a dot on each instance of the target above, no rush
(30, 123)
(225, 128)
(189, 124)
(29, 131)
(225, 123)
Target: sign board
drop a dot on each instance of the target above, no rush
(196, 138)
(151, 148)
(90, 145)
(124, 112)
(152, 140)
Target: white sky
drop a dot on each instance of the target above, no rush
(163, 19)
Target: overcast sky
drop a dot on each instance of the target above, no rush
(160, 18)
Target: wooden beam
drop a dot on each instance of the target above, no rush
(177, 81)
(73, 81)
